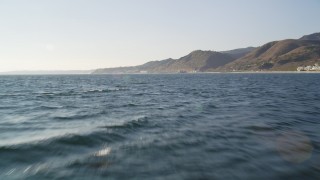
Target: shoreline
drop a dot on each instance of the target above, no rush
(227, 72)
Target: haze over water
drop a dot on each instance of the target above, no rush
(173, 126)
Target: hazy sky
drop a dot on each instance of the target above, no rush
(89, 34)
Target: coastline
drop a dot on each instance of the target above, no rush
(220, 72)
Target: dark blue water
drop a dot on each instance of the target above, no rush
(183, 126)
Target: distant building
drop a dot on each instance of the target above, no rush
(300, 68)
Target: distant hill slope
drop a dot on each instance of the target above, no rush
(238, 53)
(313, 37)
(200, 61)
(278, 56)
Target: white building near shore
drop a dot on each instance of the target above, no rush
(316, 67)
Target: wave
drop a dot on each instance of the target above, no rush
(66, 93)
(78, 92)
(90, 150)
(30, 153)
(47, 107)
(79, 116)
(8, 107)
(71, 142)
(141, 122)
(129, 105)
(13, 94)
(105, 90)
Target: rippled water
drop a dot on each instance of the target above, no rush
(183, 126)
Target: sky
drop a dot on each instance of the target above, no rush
(91, 34)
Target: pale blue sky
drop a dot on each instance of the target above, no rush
(89, 34)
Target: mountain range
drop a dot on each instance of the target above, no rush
(283, 55)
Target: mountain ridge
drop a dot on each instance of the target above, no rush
(196, 61)
(282, 55)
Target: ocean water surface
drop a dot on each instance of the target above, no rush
(172, 126)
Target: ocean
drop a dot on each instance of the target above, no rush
(153, 126)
